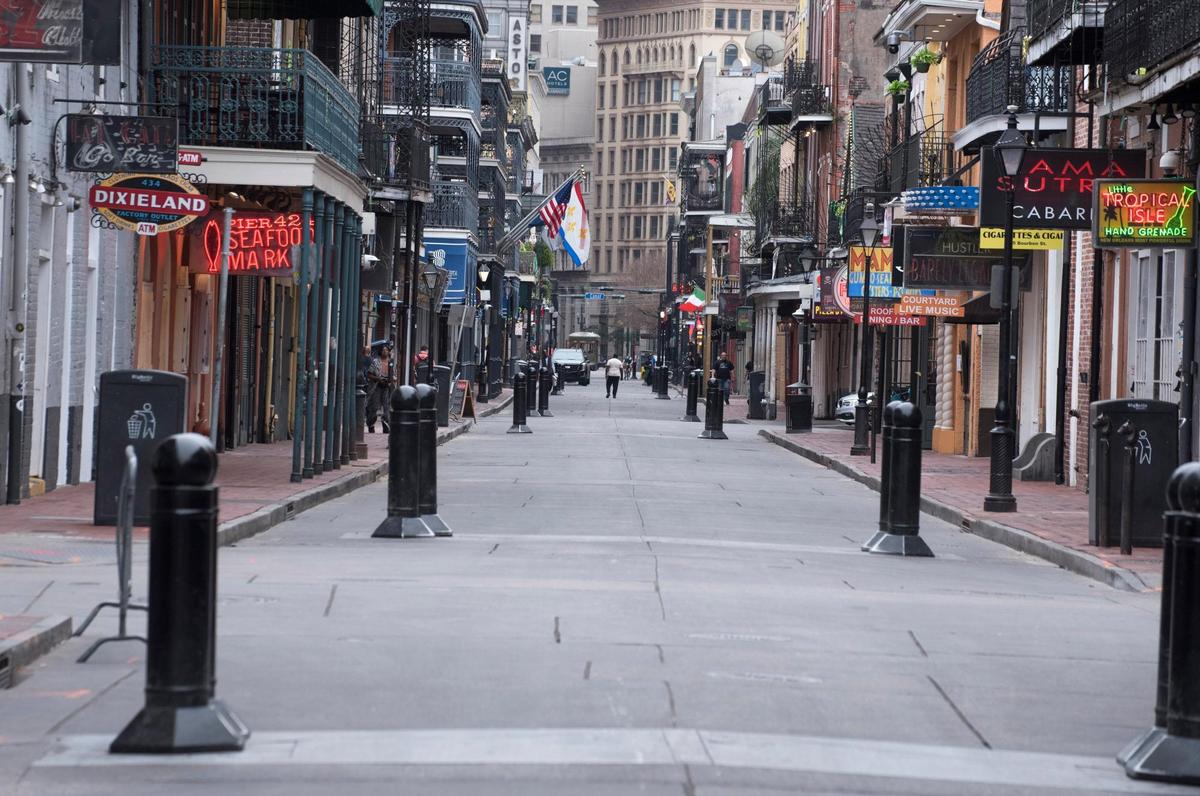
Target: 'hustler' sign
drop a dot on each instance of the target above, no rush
(1054, 188)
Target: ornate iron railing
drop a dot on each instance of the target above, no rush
(999, 78)
(256, 97)
(1140, 35)
(455, 206)
(1044, 15)
(771, 97)
(925, 159)
(801, 80)
(454, 84)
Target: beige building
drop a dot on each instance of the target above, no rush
(649, 54)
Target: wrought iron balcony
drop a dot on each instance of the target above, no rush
(256, 97)
(455, 206)
(925, 159)
(999, 78)
(454, 84)
(789, 218)
(772, 105)
(1055, 30)
(1142, 35)
(397, 152)
(810, 99)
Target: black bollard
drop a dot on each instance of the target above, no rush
(520, 399)
(180, 714)
(531, 387)
(885, 470)
(404, 512)
(481, 383)
(427, 446)
(663, 387)
(1127, 433)
(902, 458)
(544, 385)
(714, 412)
(693, 396)
(1170, 751)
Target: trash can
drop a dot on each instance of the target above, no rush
(757, 383)
(1154, 425)
(799, 407)
(139, 408)
(441, 375)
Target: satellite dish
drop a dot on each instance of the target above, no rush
(766, 48)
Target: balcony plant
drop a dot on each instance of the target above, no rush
(924, 58)
(898, 87)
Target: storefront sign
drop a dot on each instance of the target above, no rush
(949, 258)
(704, 177)
(147, 203)
(42, 31)
(889, 315)
(943, 306)
(451, 254)
(260, 244)
(1036, 240)
(1145, 213)
(189, 157)
(826, 306)
(558, 79)
(1054, 188)
(516, 52)
(106, 144)
(881, 273)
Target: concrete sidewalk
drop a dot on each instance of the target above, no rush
(1051, 521)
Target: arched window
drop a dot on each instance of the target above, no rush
(602, 60)
(627, 56)
(691, 56)
(639, 55)
(731, 54)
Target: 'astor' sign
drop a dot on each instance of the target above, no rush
(1142, 213)
(1054, 188)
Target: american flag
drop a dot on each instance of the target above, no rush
(555, 209)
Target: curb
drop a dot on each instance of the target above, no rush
(1076, 561)
(269, 516)
(24, 648)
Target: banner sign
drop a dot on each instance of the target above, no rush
(881, 273)
(516, 52)
(1145, 213)
(704, 179)
(828, 306)
(104, 144)
(147, 203)
(943, 306)
(558, 79)
(950, 258)
(1054, 188)
(452, 254)
(889, 315)
(745, 319)
(42, 31)
(1029, 240)
(260, 244)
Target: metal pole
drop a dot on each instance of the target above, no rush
(1060, 393)
(214, 409)
(862, 417)
(311, 359)
(1000, 496)
(18, 312)
(301, 299)
(334, 363)
(708, 353)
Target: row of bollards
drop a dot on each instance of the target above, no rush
(412, 466)
(693, 395)
(900, 484)
(714, 412)
(520, 400)
(1170, 750)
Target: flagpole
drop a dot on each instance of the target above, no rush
(522, 226)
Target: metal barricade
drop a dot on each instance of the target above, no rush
(124, 534)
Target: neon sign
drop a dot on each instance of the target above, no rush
(1145, 213)
(260, 244)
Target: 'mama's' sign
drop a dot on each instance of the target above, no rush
(1054, 188)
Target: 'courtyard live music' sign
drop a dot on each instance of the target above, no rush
(260, 244)
(1054, 188)
(1145, 213)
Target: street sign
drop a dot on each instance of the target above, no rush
(1144, 213)
(594, 296)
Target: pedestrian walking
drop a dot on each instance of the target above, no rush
(628, 374)
(379, 379)
(613, 370)
(724, 370)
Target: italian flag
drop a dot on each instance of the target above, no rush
(694, 302)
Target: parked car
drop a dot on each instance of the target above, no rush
(846, 404)
(572, 365)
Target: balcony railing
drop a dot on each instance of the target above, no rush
(801, 79)
(1142, 34)
(925, 159)
(454, 84)
(396, 152)
(1044, 15)
(455, 206)
(999, 78)
(256, 97)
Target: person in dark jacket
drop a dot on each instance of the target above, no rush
(724, 370)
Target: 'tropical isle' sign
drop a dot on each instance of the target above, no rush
(260, 244)
(1144, 213)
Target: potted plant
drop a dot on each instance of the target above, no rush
(923, 58)
(898, 87)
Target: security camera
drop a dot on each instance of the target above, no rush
(893, 43)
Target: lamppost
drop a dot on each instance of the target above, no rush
(1009, 152)
(862, 414)
(485, 297)
(430, 277)
(808, 261)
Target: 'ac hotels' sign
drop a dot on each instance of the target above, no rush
(1054, 187)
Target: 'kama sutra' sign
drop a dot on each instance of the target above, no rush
(260, 244)
(1054, 188)
(1145, 213)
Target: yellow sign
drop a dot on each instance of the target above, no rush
(1029, 240)
(670, 192)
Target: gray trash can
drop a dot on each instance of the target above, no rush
(1155, 427)
(799, 407)
(757, 384)
(139, 408)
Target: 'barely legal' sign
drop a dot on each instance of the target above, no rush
(1144, 213)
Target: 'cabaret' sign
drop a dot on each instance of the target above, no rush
(1054, 187)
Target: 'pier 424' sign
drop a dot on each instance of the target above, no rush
(1145, 213)
(1054, 189)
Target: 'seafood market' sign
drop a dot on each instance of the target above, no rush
(260, 244)
(147, 203)
(1144, 213)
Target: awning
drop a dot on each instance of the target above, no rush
(302, 9)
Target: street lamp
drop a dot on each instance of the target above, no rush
(862, 416)
(1009, 151)
(430, 277)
